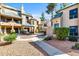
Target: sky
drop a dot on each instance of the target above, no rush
(33, 8)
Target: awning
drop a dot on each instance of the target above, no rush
(10, 24)
(28, 25)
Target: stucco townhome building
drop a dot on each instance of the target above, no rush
(13, 19)
(67, 17)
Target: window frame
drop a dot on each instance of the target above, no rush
(72, 31)
(56, 25)
(72, 14)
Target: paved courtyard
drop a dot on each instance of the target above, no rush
(21, 48)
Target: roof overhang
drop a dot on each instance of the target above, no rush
(28, 25)
(67, 7)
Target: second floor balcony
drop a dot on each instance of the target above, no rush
(10, 22)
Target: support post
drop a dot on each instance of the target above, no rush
(5, 31)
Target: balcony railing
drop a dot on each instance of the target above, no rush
(19, 22)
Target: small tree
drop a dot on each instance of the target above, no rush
(42, 17)
(61, 33)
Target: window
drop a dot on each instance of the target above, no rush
(74, 30)
(73, 13)
(19, 13)
(56, 25)
(27, 17)
(45, 25)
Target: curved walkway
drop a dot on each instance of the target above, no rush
(50, 50)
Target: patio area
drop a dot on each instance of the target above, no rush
(64, 46)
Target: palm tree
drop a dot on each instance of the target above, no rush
(50, 9)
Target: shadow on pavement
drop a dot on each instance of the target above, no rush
(38, 48)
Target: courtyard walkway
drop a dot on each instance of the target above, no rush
(52, 51)
(48, 49)
(30, 45)
(21, 48)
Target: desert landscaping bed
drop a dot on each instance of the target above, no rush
(65, 46)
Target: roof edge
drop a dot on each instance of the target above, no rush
(67, 7)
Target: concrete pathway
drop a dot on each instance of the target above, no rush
(52, 51)
(20, 48)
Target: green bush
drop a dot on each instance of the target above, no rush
(73, 38)
(76, 46)
(11, 37)
(48, 38)
(61, 33)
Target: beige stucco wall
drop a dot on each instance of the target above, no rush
(66, 21)
(56, 20)
(70, 22)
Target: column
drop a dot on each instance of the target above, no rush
(12, 30)
(0, 18)
(0, 26)
(34, 30)
(49, 31)
(19, 30)
(0, 30)
(12, 19)
(5, 31)
(29, 29)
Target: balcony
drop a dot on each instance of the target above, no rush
(10, 23)
(10, 14)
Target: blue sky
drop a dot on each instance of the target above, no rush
(33, 8)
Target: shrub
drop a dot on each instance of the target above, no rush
(76, 46)
(61, 33)
(48, 38)
(73, 38)
(11, 37)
